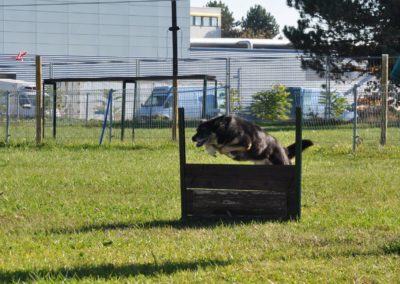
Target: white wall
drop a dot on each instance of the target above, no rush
(134, 29)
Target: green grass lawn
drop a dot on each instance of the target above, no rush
(84, 214)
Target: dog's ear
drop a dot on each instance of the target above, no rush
(226, 120)
(223, 122)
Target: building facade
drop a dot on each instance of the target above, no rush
(74, 27)
(205, 22)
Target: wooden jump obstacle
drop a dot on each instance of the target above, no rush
(240, 191)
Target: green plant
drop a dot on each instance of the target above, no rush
(234, 101)
(273, 104)
(334, 104)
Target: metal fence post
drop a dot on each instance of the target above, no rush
(135, 94)
(228, 86)
(18, 105)
(355, 95)
(298, 165)
(204, 108)
(136, 98)
(7, 116)
(54, 110)
(328, 103)
(87, 109)
(123, 111)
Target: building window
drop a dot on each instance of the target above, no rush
(205, 21)
(197, 20)
(214, 21)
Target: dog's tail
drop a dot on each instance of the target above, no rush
(292, 148)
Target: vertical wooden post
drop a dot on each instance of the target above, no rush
(43, 111)
(182, 161)
(39, 101)
(384, 96)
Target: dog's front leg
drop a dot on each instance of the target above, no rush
(228, 149)
(211, 150)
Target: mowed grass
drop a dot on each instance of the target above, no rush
(85, 214)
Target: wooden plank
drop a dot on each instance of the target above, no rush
(241, 177)
(236, 203)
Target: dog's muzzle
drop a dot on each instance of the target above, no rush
(199, 141)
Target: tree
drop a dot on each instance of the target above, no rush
(273, 104)
(335, 105)
(227, 20)
(259, 23)
(344, 29)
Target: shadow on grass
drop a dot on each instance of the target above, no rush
(107, 271)
(175, 224)
(392, 247)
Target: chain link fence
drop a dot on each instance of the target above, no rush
(336, 112)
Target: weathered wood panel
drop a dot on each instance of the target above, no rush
(246, 177)
(271, 205)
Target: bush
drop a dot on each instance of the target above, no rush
(273, 104)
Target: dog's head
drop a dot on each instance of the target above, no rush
(206, 131)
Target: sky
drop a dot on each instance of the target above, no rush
(283, 14)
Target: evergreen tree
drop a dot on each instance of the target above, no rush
(344, 29)
(259, 24)
(228, 23)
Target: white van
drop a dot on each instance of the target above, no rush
(22, 97)
(159, 103)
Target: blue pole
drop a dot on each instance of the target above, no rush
(395, 74)
(106, 115)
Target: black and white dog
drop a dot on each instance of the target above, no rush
(243, 141)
